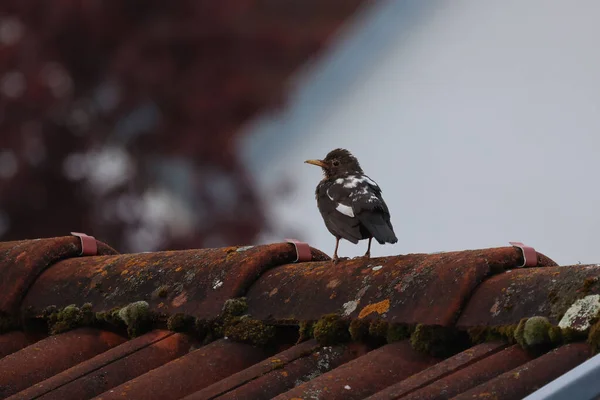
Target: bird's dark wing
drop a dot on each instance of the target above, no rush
(370, 209)
(335, 206)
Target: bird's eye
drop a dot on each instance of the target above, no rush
(336, 163)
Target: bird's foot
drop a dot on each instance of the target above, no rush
(367, 255)
(336, 259)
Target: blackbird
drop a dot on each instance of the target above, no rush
(350, 202)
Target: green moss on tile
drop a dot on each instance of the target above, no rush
(202, 328)
(111, 317)
(180, 323)
(378, 329)
(594, 337)
(359, 330)
(438, 341)
(519, 333)
(138, 318)
(481, 334)
(478, 334)
(535, 331)
(235, 307)
(555, 335)
(507, 332)
(571, 335)
(251, 331)
(305, 331)
(331, 329)
(398, 332)
(68, 318)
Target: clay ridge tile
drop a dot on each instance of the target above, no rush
(194, 282)
(547, 292)
(21, 262)
(415, 288)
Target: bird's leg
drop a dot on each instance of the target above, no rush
(337, 244)
(368, 253)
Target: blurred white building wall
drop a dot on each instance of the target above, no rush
(480, 120)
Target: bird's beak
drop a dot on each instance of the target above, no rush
(318, 163)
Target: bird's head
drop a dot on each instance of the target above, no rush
(338, 162)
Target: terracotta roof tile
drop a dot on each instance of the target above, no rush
(547, 292)
(192, 372)
(51, 356)
(23, 261)
(414, 288)
(113, 367)
(281, 372)
(13, 341)
(521, 381)
(196, 282)
(438, 371)
(407, 326)
(474, 374)
(366, 375)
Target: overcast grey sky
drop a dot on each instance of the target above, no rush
(479, 120)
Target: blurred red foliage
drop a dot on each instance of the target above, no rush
(119, 118)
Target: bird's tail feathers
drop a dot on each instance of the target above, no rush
(380, 228)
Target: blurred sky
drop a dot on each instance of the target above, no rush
(479, 120)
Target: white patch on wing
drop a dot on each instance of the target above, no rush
(370, 181)
(339, 181)
(353, 181)
(346, 210)
(328, 195)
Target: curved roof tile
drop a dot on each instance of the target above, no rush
(447, 294)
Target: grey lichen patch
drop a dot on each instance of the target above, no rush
(350, 307)
(331, 329)
(581, 313)
(324, 357)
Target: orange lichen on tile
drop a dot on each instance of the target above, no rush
(380, 308)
